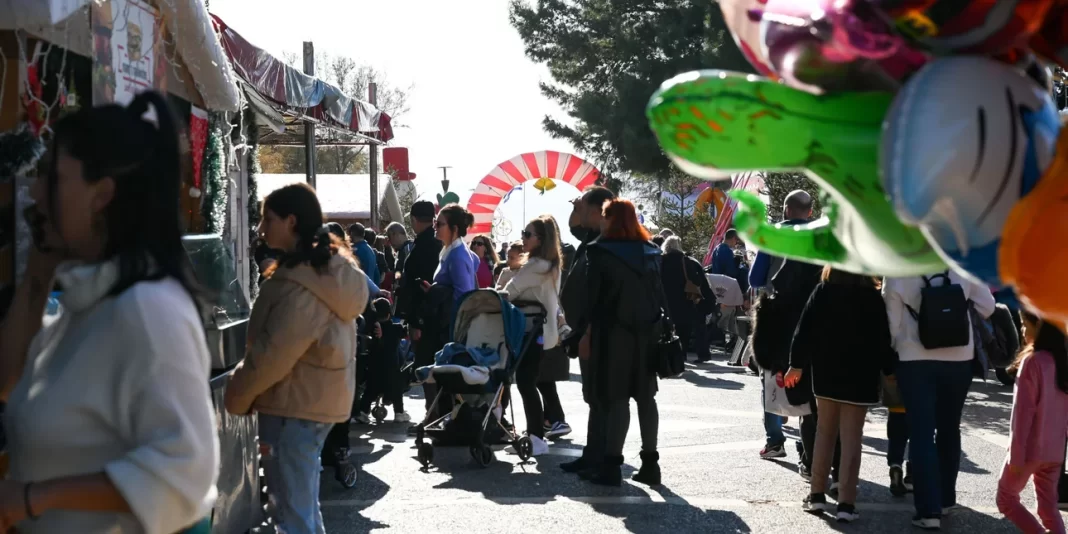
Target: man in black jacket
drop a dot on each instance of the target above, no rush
(419, 265)
(585, 224)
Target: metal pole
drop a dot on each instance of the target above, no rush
(445, 179)
(309, 128)
(372, 90)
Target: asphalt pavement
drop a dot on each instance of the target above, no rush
(714, 481)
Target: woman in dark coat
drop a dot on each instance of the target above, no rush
(843, 344)
(626, 320)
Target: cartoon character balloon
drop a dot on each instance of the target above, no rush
(835, 45)
(965, 141)
(746, 32)
(713, 123)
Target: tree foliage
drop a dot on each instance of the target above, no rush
(607, 57)
(779, 184)
(677, 212)
(354, 79)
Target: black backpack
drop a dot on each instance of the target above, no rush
(943, 315)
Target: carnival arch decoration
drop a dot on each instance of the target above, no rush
(542, 167)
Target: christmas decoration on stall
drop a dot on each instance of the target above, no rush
(198, 141)
(20, 149)
(213, 204)
(253, 165)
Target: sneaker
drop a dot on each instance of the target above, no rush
(804, 471)
(362, 418)
(927, 523)
(946, 510)
(558, 430)
(401, 417)
(833, 491)
(897, 482)
(847, 513)
(772, 451)
(540, 447)
(815, 503)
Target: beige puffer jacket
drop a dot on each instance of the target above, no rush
(300, 359)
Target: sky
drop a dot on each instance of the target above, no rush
(474, 103)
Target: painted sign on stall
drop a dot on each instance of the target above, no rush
(127, 50)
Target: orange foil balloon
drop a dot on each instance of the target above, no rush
(1033, 255)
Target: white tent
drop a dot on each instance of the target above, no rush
(342, 196)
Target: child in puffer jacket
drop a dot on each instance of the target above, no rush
(382, 368)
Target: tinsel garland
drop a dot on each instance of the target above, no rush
(253, 165)
(19, 151)
(213, 203)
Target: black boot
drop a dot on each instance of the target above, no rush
(649, 474)
(610, 473)
(577, 465)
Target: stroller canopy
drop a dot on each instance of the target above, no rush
(483, 301)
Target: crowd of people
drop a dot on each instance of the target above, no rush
(101, 441)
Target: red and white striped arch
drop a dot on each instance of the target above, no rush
(561, 166)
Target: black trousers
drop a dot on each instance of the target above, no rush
(374, 390)
(336, 444)
(617, 423)
(554, 410)
(526, 380)
(897, 438)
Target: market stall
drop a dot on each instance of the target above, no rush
(58, 55)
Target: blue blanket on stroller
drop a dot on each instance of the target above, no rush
(472, 362)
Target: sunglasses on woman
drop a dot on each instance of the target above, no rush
(477, 244)
(526, 234)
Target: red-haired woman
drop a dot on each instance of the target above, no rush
(626, 318)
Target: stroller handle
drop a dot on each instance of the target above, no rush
(538, 314)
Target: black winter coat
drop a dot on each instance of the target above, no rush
(420, 264)
(777, 315)
(622, 341)
(684, 313)
(843, 343)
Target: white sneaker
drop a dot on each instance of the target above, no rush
(927, 523)
(362, 418)
(401, 417)
(540, 447)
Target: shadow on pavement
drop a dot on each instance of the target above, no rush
(674, 515)
(710, 382)
(369, 489)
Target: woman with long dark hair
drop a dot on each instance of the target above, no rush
(844, 372)
(482, 246)
(299, 370)
(109, 420)
(1038, 428)
(454, 277)
(626, 318)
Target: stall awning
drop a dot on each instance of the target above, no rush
(286, 86)
(203, 70)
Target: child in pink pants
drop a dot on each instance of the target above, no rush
(1037, 433)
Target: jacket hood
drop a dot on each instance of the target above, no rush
(636, 254)
(342, 287)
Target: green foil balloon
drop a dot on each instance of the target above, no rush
(715, 123)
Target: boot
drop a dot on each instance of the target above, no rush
(610, 473)
(649, 474)
(577, 465)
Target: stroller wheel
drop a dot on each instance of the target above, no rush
(483, 455)
(425, 454)
(379, 413)
(524, 448)
(346, 473)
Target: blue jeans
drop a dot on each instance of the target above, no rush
(934, 393)
(772, 423)
(291, 468)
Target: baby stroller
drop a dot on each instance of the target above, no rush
(490, 336)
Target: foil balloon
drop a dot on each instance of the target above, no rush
(965, 140)
(713, 123)
(989, 27)
(835, 45)
(746, 32)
